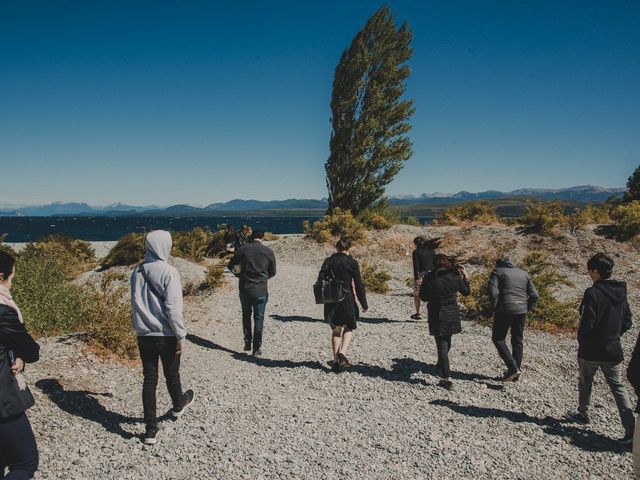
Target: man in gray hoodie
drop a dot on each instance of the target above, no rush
(156, 303)
(512, 295)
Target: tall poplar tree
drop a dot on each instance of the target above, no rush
(369, 117)
(633, 186)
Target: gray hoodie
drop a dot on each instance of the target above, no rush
(157, 310)
(511, 289)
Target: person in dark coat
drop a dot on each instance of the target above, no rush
(343, 315)
(423, 257)
(633, 375)
(512, 295)
(18, 449)
(441, 290)
(604, 316)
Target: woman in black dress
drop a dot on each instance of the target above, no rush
(441, 292)
(423, 258)
(343, 315)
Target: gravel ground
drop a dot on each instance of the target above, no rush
(286, 416)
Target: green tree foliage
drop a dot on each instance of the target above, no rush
(627, 220)
(478, 213)
(369, 117)
(545, 218)
(340, 222)
(633, 186)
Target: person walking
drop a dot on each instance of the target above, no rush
(342, 316)
(440, 291)
(423, 257)
(255, 264)
(633, 375)
(604, 316)
(156, 303)
(512, 295)
(18, 448)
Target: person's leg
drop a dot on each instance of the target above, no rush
(613, 375)
(636, 448)
(18, 448)
(336, 341)
(247, 303)
(501, 325)
(587, 370)
(259, 306)
(171, 370)
(517, 338)
(443, 344)
(149, 356)
(347, 335)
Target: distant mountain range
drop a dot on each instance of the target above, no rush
(587, 194)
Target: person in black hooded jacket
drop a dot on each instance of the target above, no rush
(18, 449)
(604, 316)
(440, 290)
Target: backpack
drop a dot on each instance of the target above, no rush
(328, 290)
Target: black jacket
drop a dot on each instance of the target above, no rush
(344, 267)
(633, 372)
(14, 337)
(604, 316)
(440, 290)
(511, 289)
(422, 262)
(258, 264)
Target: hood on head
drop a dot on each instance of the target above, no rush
(505, 262)
(614, 290)
(158, 244)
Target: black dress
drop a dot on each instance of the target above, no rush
(345, 268)
(440, 291)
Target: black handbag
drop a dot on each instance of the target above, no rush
(328, 290)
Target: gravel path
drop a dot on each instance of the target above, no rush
(285, 416)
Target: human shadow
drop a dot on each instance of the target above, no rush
(382, 320)
(582, 438)
(82, 403)
(261, 361)
(295, 318)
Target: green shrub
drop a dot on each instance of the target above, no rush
(549, 314)
(380, 216)
(339, 223)
(627, 219)
(589, 215)
(217, 245)
(544, 218)
(192, 244)
(215, 276)
(73, 256)
(374, 279)
(270, 237)
(6, 248)
(413, 221)
(130, 249)
(478, 213)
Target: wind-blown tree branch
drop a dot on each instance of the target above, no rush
(369, 116)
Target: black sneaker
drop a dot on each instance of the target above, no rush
(151, 435)
(187, 400)
(626, 440)
(247, 346)
(257, 353)
(578, 417)
(511, 375)
(416, 316)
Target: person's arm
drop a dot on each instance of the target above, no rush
(532, 294)
(14, 336)
(235, 260)
(465, 284)
(626, 321)
(494, 289)
(173, 306)
(416, 265)
(272, 264)
(357, 280)
(587, 314)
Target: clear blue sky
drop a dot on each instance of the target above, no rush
(201, 101)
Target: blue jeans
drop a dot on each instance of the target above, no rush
(18, 449)
(257, 305)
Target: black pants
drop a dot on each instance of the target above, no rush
(443, 344)
(502, 322)
(18, 449)
(152, 349)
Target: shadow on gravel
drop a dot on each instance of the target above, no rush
(261, 361)
(296, 318)
(377, 321)
(582, 438)
(82, 403)
(371, 321)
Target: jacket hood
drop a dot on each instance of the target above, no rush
(614, 290)
(505, 262)
(158, 244)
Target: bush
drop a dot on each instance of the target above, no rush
(339, 223)
(6, 248)
(73, 256)
(192, 244)
(549, 314)
(544, 218)
(374, 279)
(476, 213)
(270, 237)
(130, 249)
(215, 276)
(413, 221)
(217, 244)
(589, 215)
(627, 220)
(380, 216)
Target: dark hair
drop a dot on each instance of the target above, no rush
(419, 242)
(442, 262)
(6, 264)
(601, 263)
(257, 234)
(344, 243)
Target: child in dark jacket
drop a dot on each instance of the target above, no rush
(604, 317)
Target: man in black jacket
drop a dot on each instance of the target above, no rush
(512, 295)
(254, 264)
(604, 316)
